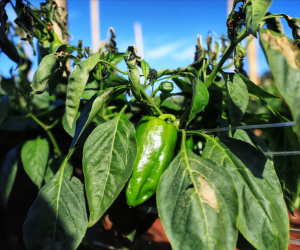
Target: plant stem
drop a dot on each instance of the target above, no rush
(52, 125)
(150, 102)
(127, 104)
(107, 63)
(154, 92)
(227, 53)
(50, 135)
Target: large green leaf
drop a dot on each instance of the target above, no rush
(76, 84)
(34, 155)
(263, 218)
(9, 168)
(198, 204)
(287, 167)
(238, 97)
(283, 55)
(255, 11)
(108, 157)
(58, 218)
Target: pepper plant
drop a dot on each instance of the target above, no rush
(92, 142)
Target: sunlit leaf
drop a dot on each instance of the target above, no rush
(108, 157)
(198, 204)
(283, 55)
(255, 11)
(76, 84)
(259, 191)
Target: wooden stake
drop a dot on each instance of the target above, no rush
(95, 27)
(252, 62)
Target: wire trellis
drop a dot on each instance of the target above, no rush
(258, 126)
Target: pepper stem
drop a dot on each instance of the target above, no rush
(169, 117)
(183, 139)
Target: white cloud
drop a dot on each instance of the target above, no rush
(186, 54)
(163, 51)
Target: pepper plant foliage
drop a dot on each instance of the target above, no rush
(68, 137)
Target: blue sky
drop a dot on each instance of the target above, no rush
(169, 28)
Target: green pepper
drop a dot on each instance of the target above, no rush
(156, 141)
(166, 87)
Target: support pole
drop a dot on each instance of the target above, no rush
(95, 24)
(139, 39)
(252, 62)
(62, 4)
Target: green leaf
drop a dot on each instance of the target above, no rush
(256, 90)
(259, 191)
(117, 58)
(4, 107)
(9, 49)
(34, 155)
(134, 79)
(108, 157)
(42, 101)
(275, 24)
(65, 47)
(47, 74)
(70, 131)
(145, 69)
(183, 85)
(91, 88)
(255, 11)
(76, 84)
(53, 166)
(91, 109)
(58, 218)
(283, 58)
(8, 85)
(242, 136)
(200, 94)
(286, 166)
(238, 97)
(198, 204)
(115, 80)
(9, 168)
